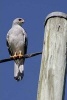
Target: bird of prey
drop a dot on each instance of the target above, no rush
(17, 42)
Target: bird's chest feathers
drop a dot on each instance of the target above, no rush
(17, 38)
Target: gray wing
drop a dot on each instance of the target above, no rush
(8, 45)
(26, 44)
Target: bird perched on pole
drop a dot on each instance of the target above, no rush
(17, 46)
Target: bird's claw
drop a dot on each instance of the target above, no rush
(14, 56)
(20, 54)
(17, 55)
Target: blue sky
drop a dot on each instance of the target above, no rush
(34, 13)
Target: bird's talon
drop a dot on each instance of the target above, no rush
(20, 54)
(14, 56)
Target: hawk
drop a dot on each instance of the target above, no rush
(17, 42)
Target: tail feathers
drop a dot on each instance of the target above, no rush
(18, 72)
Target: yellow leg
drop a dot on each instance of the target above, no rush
(14, 56)
(17, 55)
(20, 54)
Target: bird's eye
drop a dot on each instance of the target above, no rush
(20, 19)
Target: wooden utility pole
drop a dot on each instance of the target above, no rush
(53, 64)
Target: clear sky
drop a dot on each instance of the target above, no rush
(34, 13)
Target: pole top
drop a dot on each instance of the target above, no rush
(55, 14)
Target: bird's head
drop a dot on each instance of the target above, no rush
(18, 21)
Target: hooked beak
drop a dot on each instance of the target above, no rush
(23, 21)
